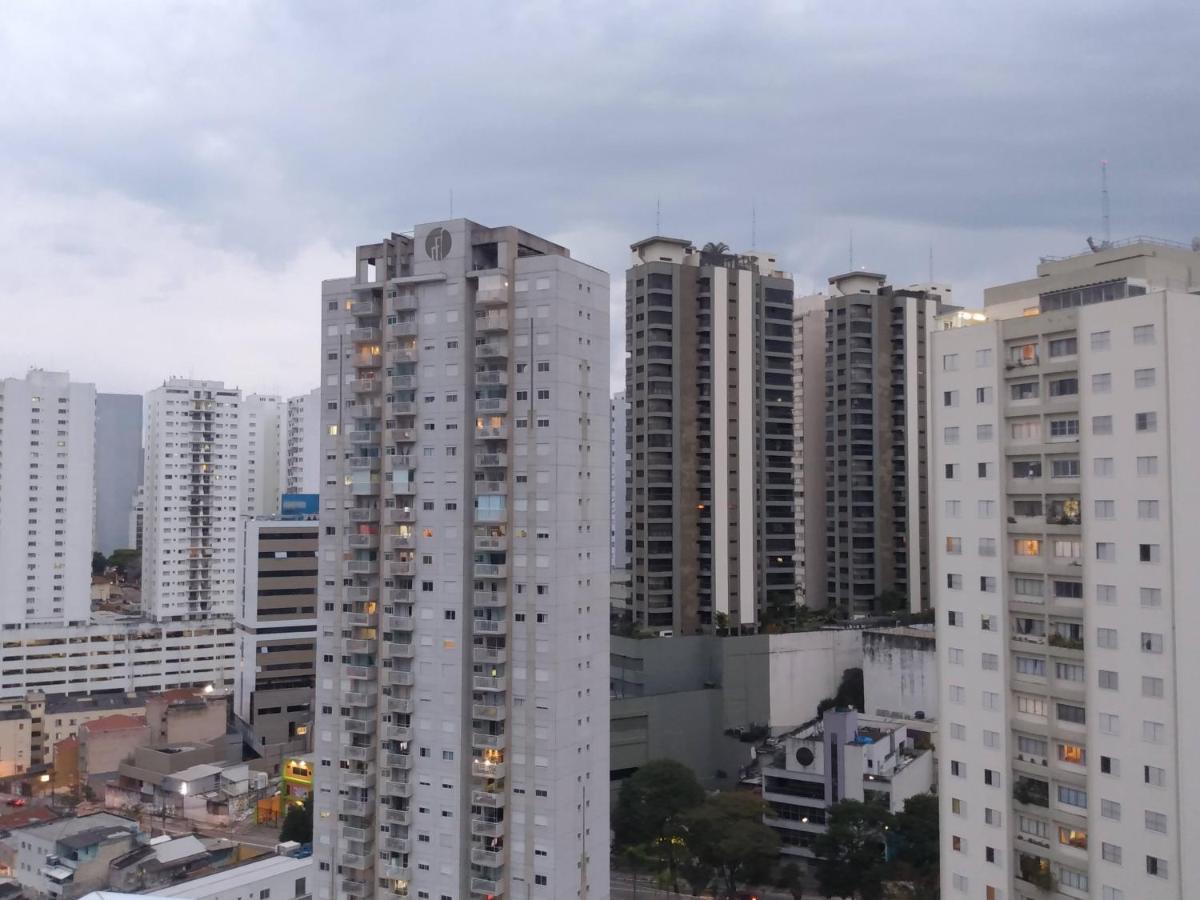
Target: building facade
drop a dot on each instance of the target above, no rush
(618, 461)
(300, 467)
(708, 380)
(276, 628)
(876, 468)
(461, 741)
(193, 500)
(261, 453)
(808, 436)
(118, 467)
(47, 498)
(1064, 518)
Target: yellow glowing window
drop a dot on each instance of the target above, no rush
(1071, 753)
(1072, 837)
(1028, 547)
(333, 430)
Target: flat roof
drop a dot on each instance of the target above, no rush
(660, 239)
(273, 867)
(61, 828)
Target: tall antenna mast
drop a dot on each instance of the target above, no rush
(1104, 201)
(658, 215)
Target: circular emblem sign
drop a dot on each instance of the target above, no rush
(437, 243)
(804, 756)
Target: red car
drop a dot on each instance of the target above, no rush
(17, 801)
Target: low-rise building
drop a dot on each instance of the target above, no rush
(16, 735)
(276, 877)
(186, 715)
(166, 861)
(68, 857)
(104, 743)
(844, 756)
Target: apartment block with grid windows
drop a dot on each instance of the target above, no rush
(462, 723)
(1064, 513)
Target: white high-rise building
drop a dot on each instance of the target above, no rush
(47, 498)
(1065, 517)
(462, 729)
(300, 467)
(262, 453)
(193, 500)
(618, 471)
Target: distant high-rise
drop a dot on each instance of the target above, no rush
(1064, 510)
(300, 467)
(618, 475)
(462, 728)
(118, 467)
(47, 498)
(262, 453)
(708, 380)
(193, 500)
(808, 427)
(876, 470)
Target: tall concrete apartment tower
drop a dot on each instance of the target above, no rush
(462, 736)
(808, 435)
(1064, 507)
(118, 467)
(192, 491)
(875, 457)
(47, 499)
(618, 499)
(262, 453)
(711, 520)
(300, 465)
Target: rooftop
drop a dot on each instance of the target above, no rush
(115, 722)
(59, 829)
(279, 869)
(660, 239)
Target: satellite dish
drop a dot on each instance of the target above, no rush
(804, 756)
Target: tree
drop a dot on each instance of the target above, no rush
(914, 844)
(790, 879)
(849, 693)
(128, 564)
(850, 854)
(727, 834)
(651, 806)
(298, 822)
(99, 563)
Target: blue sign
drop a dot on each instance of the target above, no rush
(300, 506)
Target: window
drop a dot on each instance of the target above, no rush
(1028, 587)
(1110, 809)
(1030, 746)
(1063, 347)
(1155, 865)
(1105, 509)
(1150, 596)
(984, 432)
(950, 398)
(1101, 340)
(990, 661)
(954, 545)
(952, 471)
(955, 656)
(958, 693)
(1072, 753)
(1153, 732)
(1101, 424)
(1064, 468)
(1152, 686)
(954, 618)
(1106, 551)
(950, 435)
(1143, 378)
(991, 778)
(1102, 383)
(991, 739)
(1145, 422)
(1106, 638)
(987, 546)
(1031, 706)
(983, 395)
(958, 769)
(1106, 594)
(1148, 553)
(950, 362)
(1110, 853)
(1109, 681)
(991, 700)
(983, 358)
(992, 817)
(954, 582)
(1151, 642)
(958, 732)
(1064, 428)
(1070, 590)
(1067, 712)
(1147, 465)
(1102, 467)
(953, 509)
(1031, 665)
(1072, 796)
(1025, 431)
(1027, 390)
(1027, 547)
(1069, 672)
(1154, 776)
(1143, 334)
(1064, 549)
(1070, 877)
(1027, 469)
(1147, 509)
(983, 470)
(987, 584)
(1064, 387)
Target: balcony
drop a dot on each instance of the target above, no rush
(365, 487)
(358, 726)
(491, 297)
(364, 465)
(395, 844)
(492, 405)
(487, 683)
(403, 303)
(364, 308)
(362, 436)
(402, 408)
(401, 515)
(398, 651)
(355, 889)
(491, 570)
(396, 788)
(487, 886)
(359, 620)
(489, 654)
(398, 678)
(488, 713)
(489, 627)
(399, 705)
(357, 754)
(490, 858)
(404, 329)
(361, 567)
(493, 432)
(481, 768)
(363, 541)
(491, 378)
(364, 514)
(402, 761)
(354, 807)
(356, 646)
(405, 354)
(397, 816)
(491, 460)
(365, 335)
(494, 321)
(366, 360)
(398, 462)
(493, 348)
(398, 623)
(357, 672)
(365, 385)
(397, 871)
(405, 567)
(402, 382)
(400, 595)
(359, 779)
(491, 487)
(397, 733)
(360, 699)
(483, 741)
(490, 599)
(486, 827)
(399, 436)
(401, 541)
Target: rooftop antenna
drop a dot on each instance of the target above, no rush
(753, 225)
(1104, 202)
(658, 215)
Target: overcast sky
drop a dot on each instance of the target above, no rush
(177, 178)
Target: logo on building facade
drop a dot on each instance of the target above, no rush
(438, 243)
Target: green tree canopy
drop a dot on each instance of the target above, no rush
(727, 834)
(298, 822)
(914, 844)
(850, 854)
(98, 563)
(651, 805)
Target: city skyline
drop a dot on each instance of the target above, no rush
(222, 201)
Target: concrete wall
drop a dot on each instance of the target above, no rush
(104, 751)
(15, 742)
(900, 672)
